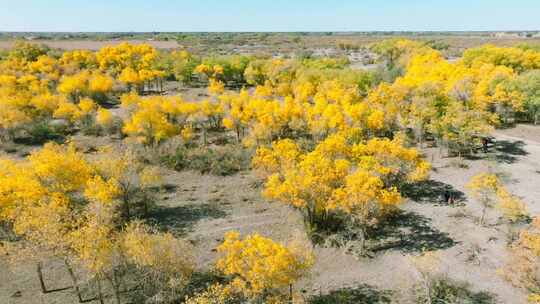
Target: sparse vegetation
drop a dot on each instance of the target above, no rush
(223, 161)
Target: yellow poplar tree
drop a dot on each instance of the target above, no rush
(259, 266)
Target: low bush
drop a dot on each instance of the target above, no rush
(447, 291)
(220, 161)
(38, 133)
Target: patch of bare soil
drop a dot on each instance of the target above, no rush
(523, 131)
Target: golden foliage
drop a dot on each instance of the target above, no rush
(259, 265)
(358, 179)
(487, 188)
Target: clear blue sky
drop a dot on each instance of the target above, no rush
(264, 15)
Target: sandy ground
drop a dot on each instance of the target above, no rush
(523, 132)
(202, 208)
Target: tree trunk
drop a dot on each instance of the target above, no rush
(290, 293)
(100, 292)
(74, 281)
(427, 288)
(307, 219)
(363, 236)
(40, 277)
(421, 136)
(115, 283)
(126, 203)
(204, 136)
(145, 207)
(482, 218)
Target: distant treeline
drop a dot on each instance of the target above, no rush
(165, 36)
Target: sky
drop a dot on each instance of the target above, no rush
(264, 15)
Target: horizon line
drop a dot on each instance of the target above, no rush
(277, 31)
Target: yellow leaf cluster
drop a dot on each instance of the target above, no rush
(154, 119)
(339, 176)
(161, 252)
(258, 264)
(486, 187)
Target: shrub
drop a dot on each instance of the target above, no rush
(177, 161)
(222, 161)
(40, 132)
(91, 129)
(445, 291)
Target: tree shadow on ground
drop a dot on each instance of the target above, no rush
(38, 140)
(181, 219)
(501, 151)
(409, 232)
(508, 151)
(201, 279)
(483, 297)
(433, 192)
(170, 188)
(363, 294)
